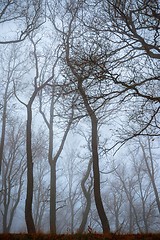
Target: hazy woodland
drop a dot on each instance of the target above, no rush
(79, 116)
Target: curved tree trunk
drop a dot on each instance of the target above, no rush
(95, 157)
(97, 194)
(87, 194)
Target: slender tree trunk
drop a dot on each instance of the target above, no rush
(5, 230)
(133, 214)
(117, 225)
(95, 157)
(116, 213)
(97, 193)
(151, 173)
(5, 205)
(53, 198)
(87, 194)
(52, 158)
(3, 129)
(130, 218)
(2, 136)
(52, 163)
(29, 197)
(85, 215)
(72, 213)
(14, 208)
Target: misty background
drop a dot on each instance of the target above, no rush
(80, 116)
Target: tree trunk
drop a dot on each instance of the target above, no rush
(5, 230)
(95, 157)
(151, 172)
(29, 197)
(85, 215)
(53, 198)
(87, 194)
(3, 129)
(96, 174)
(2, 136)
(52, 163)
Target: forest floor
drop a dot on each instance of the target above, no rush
(89, 236)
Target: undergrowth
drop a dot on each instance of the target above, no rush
(88, 236)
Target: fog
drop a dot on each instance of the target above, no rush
(80, 116)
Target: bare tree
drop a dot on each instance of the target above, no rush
(148, 158)
(10, 69)
(72, 188)
(41, 185)
(53, 156)
(6, 97)
(136, 184)
(126, 35)
(108, 56)
(38, 85)
(115, 204)
(135, 32)
(20, 19)
(84, 68)
(87, 195)
(128, 184)
(14, 167)
(109, 59)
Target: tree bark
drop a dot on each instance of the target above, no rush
(52, 163)
(97, 194)
(29, 197)
(87, 194)
(53, 197)
(95, 157)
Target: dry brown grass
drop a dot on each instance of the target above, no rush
(89, 236)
